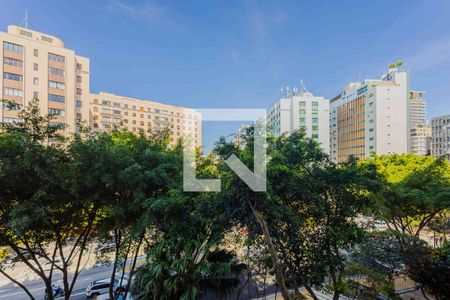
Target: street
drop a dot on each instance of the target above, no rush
(36, 287)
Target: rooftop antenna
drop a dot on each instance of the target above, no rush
(302, 86)
(25, 21)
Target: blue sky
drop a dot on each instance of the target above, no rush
(239, 53)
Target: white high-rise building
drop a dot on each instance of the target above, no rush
(371, 116)
(301, 110)
(440, 136)
(420, 129)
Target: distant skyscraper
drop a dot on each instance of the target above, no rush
(420, 136)
(371, 116)
(420, 129)
(440, 136)
(301, 109)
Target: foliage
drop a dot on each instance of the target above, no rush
(416, 190)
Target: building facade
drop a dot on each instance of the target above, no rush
(301, 110)
(420, 128)
(108, 111)
(37, 65)
(440, 143)
(371, 116)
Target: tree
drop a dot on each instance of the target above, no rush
(124, 170)
(432, 270)
(416, 190)
(185, 256)
(307, 217)
(43, 217)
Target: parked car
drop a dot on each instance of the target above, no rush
(101, 286)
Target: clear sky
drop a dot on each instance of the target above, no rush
(240, 53)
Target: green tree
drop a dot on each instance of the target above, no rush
(43, 218)
(416, 190)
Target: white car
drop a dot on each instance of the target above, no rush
(101, 286)
(106, 297)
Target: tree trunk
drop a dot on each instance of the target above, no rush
(18, 283)
(309, 289)
(276, 263)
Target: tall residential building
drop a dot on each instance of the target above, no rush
(37, 65)
(420, 129)
(440, 136)
(301, 110)
(371, 116)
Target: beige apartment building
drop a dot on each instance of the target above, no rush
(37, 65)
(108, 110)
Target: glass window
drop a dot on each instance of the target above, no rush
(55, 71)
(56, 85)
(315, 103)
(56, 112)
(302, 104)
(79, 103)
(36, 52)
(35, 67)
(12, 92)
(56, 57)
(12, 47)
(13, 62)
(56, 98)
(12, 76)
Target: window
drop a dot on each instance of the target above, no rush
(79, 91)
(302, 104)
(315, 136)
(315, 120)
(302, 111)
(12, 76)
(79, 117)
(56, 85)
(35, 81)
(35, 67)
(302, 120)
(315, 103)
(56, 112)
(56, 57)
(106, 102)
(125, 105)
(12, 47)
(105, 126)
(79, 79)
(56, 98)
(55, 71)
(79, 103)
(315, 127)
(12, 92)
(46, 39)
(79, 66)
(116, 112)
(35, 95)
(36, 52)
(117, 104)
(13, 62)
